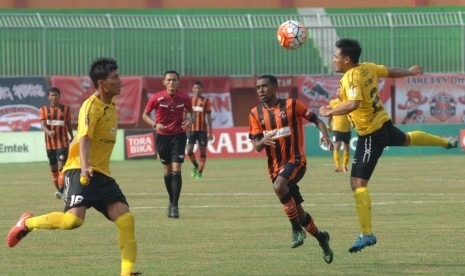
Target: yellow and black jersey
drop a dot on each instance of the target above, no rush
(361, 83)
(340, 122)
(99, 122)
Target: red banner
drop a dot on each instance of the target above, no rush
(316, 91)
(139, 144)
(74, 90)
(230, 143)
(217, 89)
(285, 84)
(430, 99)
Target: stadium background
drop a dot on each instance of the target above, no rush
(48, 43)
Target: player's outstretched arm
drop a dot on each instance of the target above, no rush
(401, 73)
(343, 109)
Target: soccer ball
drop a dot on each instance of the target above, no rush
(291, 34)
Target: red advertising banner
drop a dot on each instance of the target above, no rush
(316, 91)
(74, 90)
(430, 99)
(231, 143)
(139, 144)
(285, 84)
(217, 89)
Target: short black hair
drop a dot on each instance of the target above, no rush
(53, 89)
(197, 83)
(351, 48)
(171, 72)
(271, 78)
(101, 69)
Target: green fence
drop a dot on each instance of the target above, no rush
(45, 44)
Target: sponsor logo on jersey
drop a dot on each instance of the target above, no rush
(280, 132)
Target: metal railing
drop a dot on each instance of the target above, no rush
(239, 45)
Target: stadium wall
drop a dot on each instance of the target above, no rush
(312, 138)
(19, 147)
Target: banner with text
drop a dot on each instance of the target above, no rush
(75, 90)
(316, 91)
(217, 89)
(430, 99)
(22, 147)
(139, 144)
(230, 143)
(285, 83)
(20, 101)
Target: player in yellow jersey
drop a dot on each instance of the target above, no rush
(87, 171)
(360, 97)
(339, 125)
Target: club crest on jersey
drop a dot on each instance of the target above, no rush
(86, 120)
(280, 132)
(282, 115)
(112, 131)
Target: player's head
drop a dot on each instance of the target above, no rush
(197, 88)
(267, 87)
(53, 95)
(100, 69)
(171, 81)
(347, 54)
(52, 90)
(104, 75)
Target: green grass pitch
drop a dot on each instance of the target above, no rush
(232, 223)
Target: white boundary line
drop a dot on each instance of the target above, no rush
(417, 202)
(304, 194)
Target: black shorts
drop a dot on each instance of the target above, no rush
(200, 136)
(370, 148)
(57, 155)
(339, 136)
(171, 148)
(100, 191)
(294, 173)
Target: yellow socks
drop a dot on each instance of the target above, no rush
(420, 138)
(363, 207)
(127, 243)
(346, 158)
(54, 220)
(336, 156)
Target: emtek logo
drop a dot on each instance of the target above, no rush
(14, 148)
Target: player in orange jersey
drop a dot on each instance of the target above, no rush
(276, 127)
(202, 112)
(56, 123)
